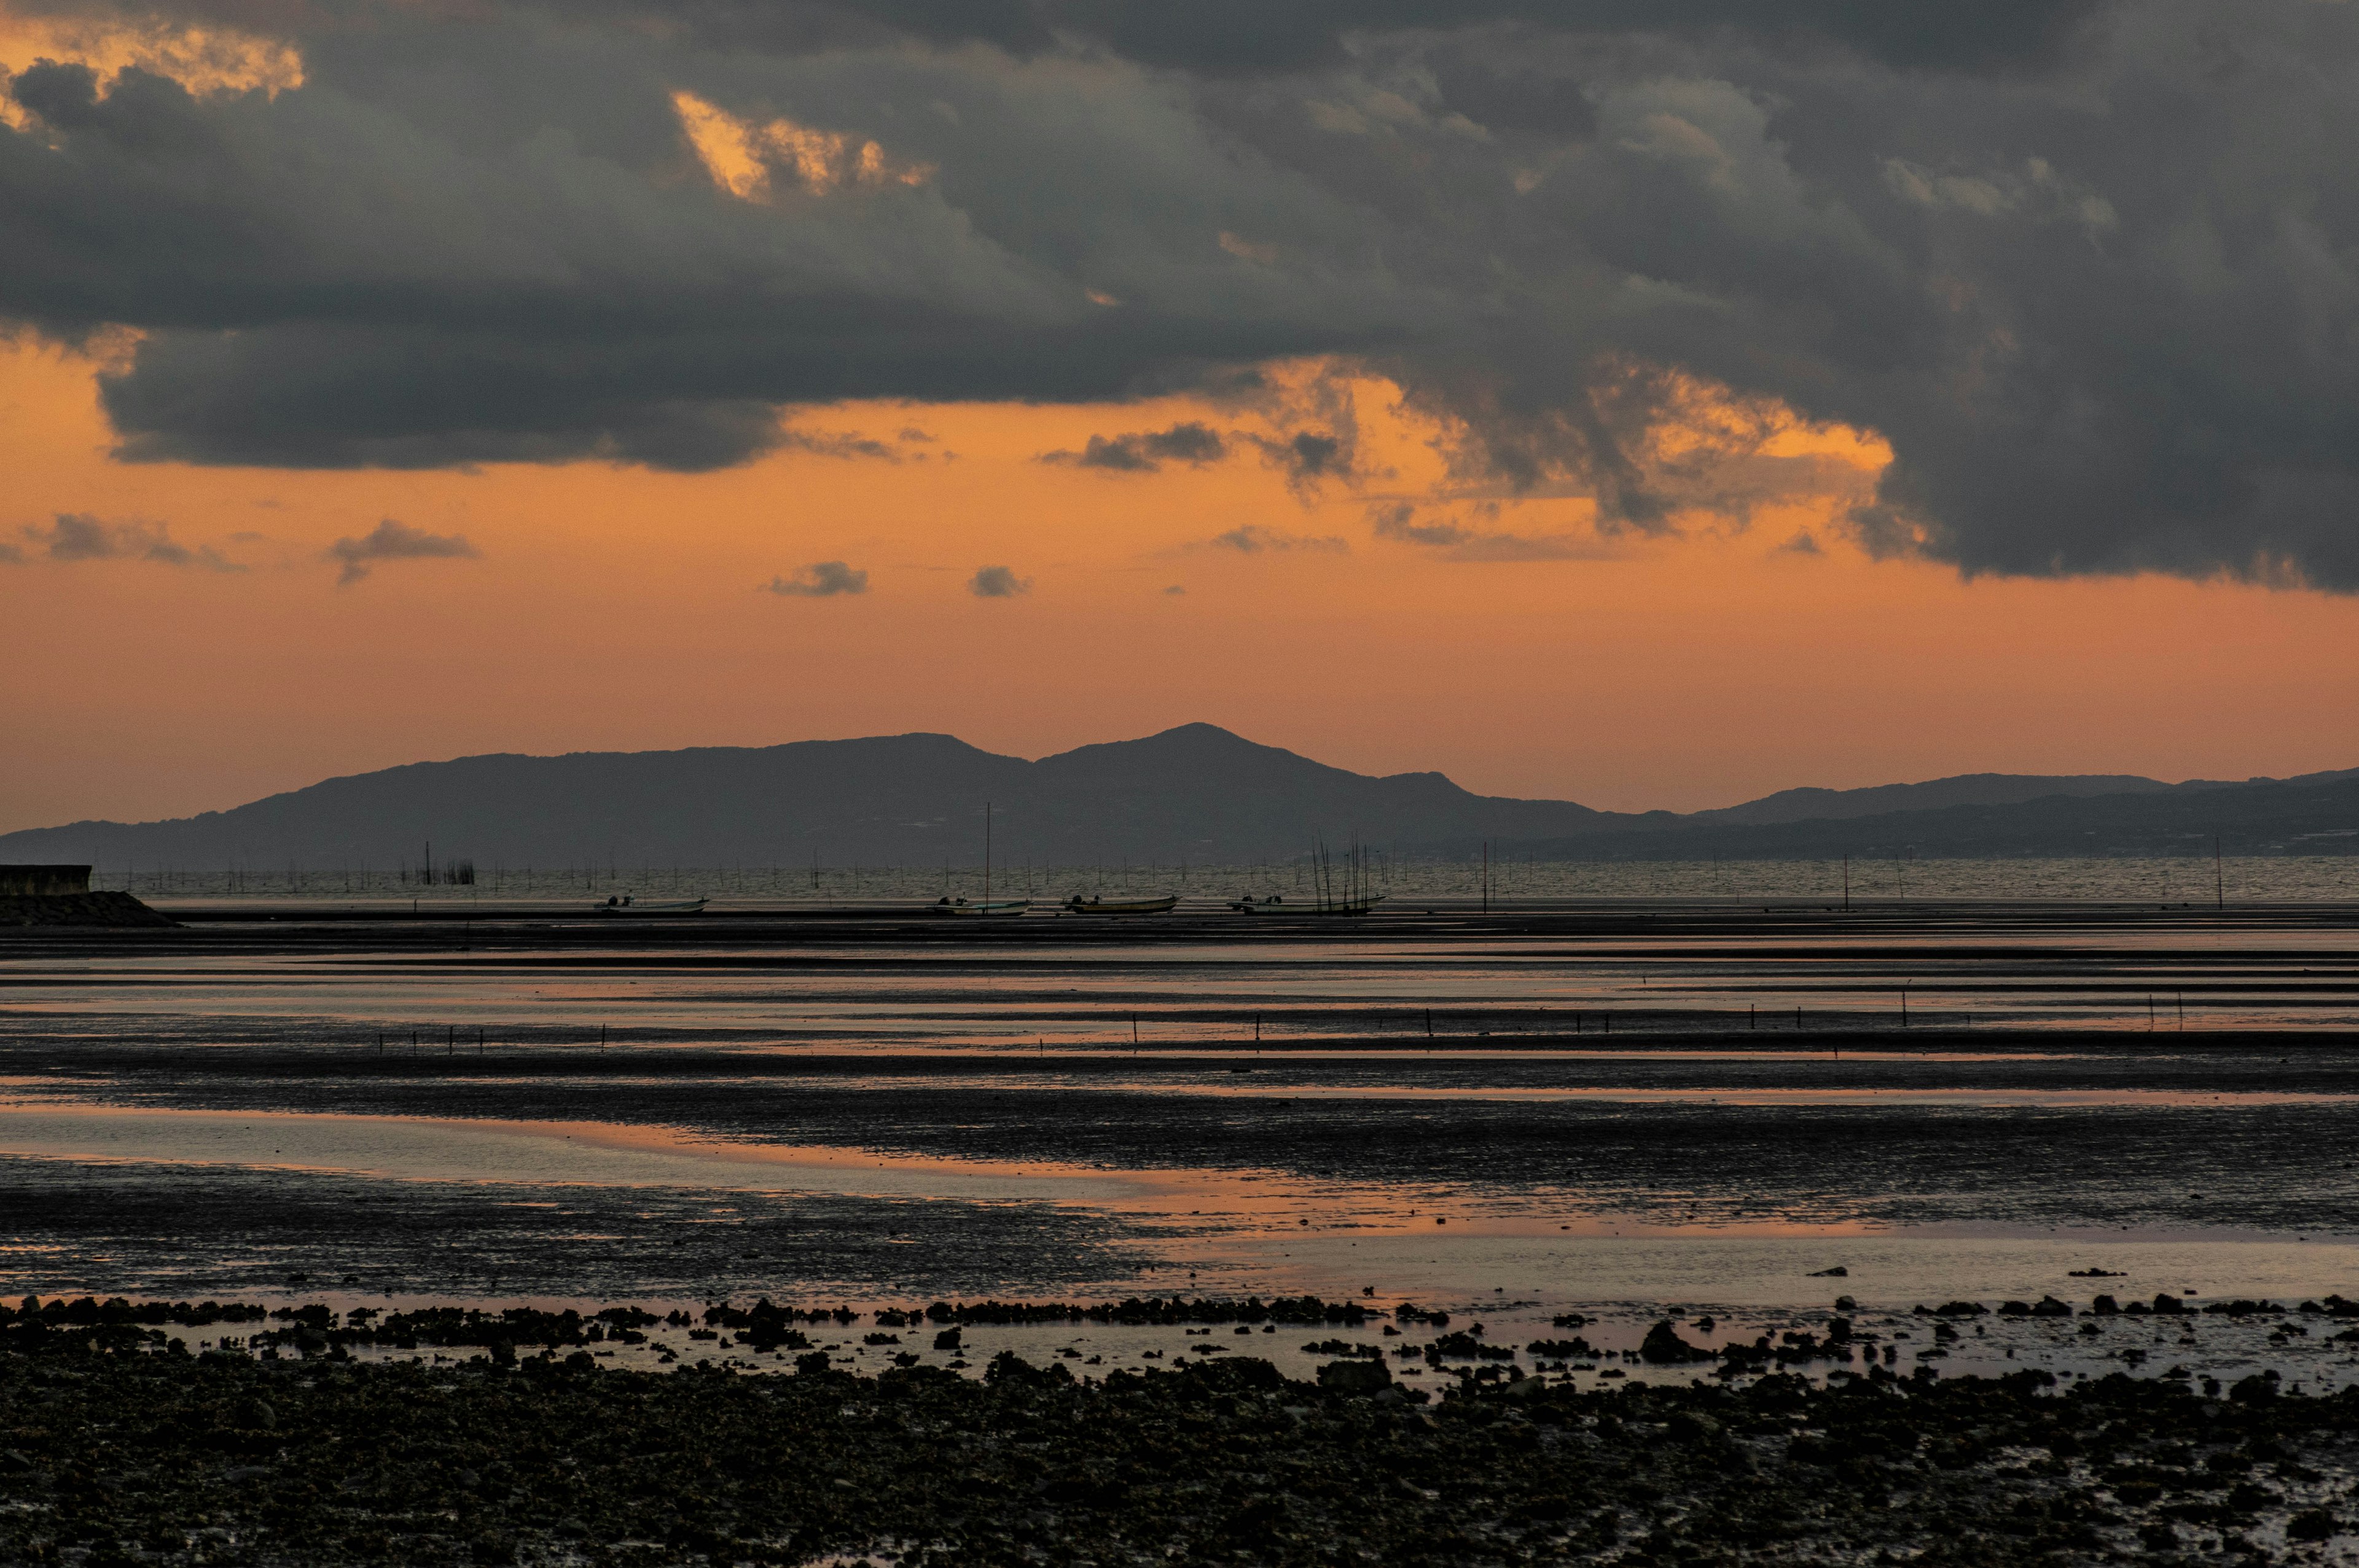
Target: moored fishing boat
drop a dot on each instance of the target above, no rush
(1077, 904)
(979, 906)
(1350, 903)
(625, 904)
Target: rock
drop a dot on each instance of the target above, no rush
(1663, 1346)
(2313, 1524)
(1692, 1426)
(2105, 1306)
(1354, 1376)
(948, 1339)
(1847, 1303)
(2048, 1306)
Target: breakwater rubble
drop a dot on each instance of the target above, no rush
(114, 1449)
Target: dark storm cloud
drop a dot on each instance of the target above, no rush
(2085, 267)
(1254, 37)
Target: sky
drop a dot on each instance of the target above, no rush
(1644, 406)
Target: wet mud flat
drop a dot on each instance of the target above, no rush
(839, 1107)
(148, 1226)
(111, 1453)
(2219, 1135)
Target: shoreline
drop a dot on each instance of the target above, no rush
(177, 1459)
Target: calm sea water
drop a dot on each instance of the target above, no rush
(2148, 880)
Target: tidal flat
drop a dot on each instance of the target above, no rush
(1748, 1123)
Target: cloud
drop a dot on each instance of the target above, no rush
(845, 444)
(1308, 457)
(1454, 541)
(1310, 34)
(393, 541)
(81, 537)
(1253, 539)
(1174, 591)
(1803, 543)
(997, 582)
(820, 579)
(2084, 267)
(1146, 452)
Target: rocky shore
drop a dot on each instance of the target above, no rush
(119, 1445)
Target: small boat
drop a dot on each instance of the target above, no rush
(628, 905)
(1354, 904)
(1077, 904)
(983, 906)
(1249, 904)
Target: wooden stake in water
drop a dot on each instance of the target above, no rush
(2219, 878)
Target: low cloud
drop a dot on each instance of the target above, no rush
(1308, 456)
(1804, 542)
(392, 541)
(1253, 539)
(847, 444)
(820, 579)
(1146, 452)
(1454, 541)
(997, 582)
(82, 537)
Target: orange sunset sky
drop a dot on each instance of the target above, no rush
(217, 649)
(614, 608)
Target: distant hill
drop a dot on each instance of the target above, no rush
(1966, 789)
(1197, 793)
(2267, 816)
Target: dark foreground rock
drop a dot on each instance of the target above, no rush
(116, 1456)
(79, 910)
